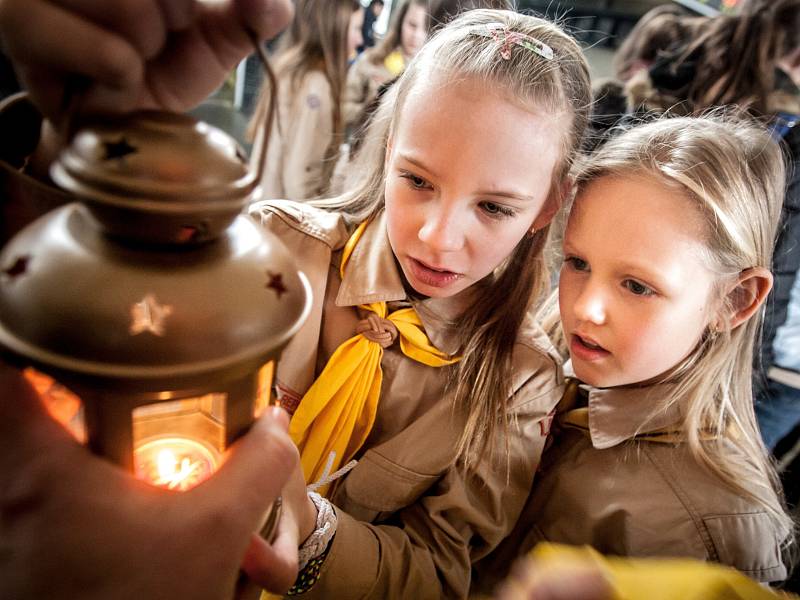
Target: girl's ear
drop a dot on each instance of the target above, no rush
(553, 203)
(747, 295)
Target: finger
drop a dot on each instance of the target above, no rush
(228, 25)
(178, 14)
(89, 50)
(273, 566)
(580, 584)
(140, 22)
(255, 469)
(266, 18)
(530, 580)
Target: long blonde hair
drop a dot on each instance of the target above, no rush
(734, 173)
(317, 40)
(559, 86)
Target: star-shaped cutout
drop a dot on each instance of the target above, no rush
(149, 315)
(18, 267)
(118, 149)
(276, 283)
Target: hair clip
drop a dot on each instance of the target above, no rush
(507, 39)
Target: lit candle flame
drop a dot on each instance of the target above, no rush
(175, 463)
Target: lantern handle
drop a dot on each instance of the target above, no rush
(76, 86)
(261, 141)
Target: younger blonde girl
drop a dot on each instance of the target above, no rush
(311, 72)
(420, 359)
(666, 257)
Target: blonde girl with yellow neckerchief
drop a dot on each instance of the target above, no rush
(420, 359)
(655, 449)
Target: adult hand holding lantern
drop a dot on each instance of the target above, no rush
(76, 527)
(135, 54)
(194, 46)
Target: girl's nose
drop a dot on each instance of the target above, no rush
(442, 231)
(591, 306)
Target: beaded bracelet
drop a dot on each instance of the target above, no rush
(309, 575)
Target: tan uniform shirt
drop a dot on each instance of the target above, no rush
(631, 497)
(411, 521)
(299, 140)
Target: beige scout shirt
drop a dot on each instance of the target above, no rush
(299, 139)
(411, 521)
(637, 498)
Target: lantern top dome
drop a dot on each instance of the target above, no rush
(158, 169)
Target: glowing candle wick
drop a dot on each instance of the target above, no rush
(168, 469)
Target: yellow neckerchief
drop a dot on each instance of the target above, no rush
(338, 411)
(578, 418)
(395, 63)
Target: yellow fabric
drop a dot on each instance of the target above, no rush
(395, 63)
(338, 411)
(653, 579)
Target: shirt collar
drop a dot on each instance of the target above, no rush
(618, 414)
(372, 275)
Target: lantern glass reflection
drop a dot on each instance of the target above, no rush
(64, 406)
(264, 396)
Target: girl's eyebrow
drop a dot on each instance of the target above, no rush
(416, 162)
(488, 192)
(506, 194)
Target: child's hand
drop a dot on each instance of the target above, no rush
(77, 527)
(167, 54)
(576, 581)
(297, 523)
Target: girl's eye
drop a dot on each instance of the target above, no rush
(416, 182)
(496, 210)
(637, 288)
(576, 264)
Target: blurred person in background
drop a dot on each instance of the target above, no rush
(407, 33)
(311, 71)
(371, 15)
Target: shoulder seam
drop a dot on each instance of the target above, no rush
(303, 226)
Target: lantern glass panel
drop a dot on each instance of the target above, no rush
(63, 405)
(264, 396)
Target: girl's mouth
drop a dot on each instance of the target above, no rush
(431, 276)
(585, 349)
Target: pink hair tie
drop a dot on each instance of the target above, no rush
(508, 39)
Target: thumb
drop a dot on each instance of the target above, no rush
(255, 469)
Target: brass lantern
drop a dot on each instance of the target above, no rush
(154, 308)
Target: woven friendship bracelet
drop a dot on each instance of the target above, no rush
(317, 542)
(508, 39)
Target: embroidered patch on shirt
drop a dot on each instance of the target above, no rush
(313, 101)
